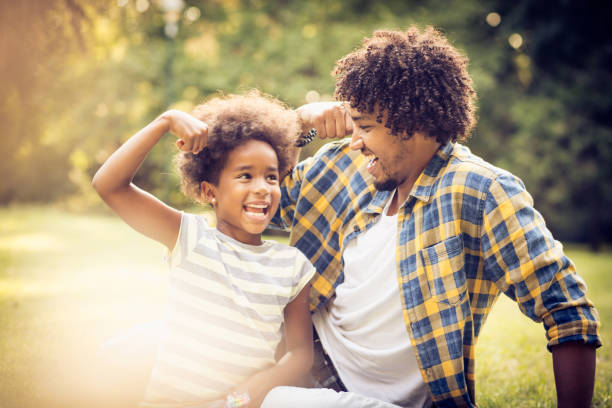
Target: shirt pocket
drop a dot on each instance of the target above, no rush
(444, 266)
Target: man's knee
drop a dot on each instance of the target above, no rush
(297, 397)
(278, 397)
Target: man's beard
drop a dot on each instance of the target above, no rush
(387, 185)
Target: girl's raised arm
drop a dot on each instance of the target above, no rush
(113, 181)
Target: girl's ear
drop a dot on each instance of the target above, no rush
(208, 192)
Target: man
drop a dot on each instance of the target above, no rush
(414, 237)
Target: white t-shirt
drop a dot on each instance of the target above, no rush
(226, 310)
(363, 329)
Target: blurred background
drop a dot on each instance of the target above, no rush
(79, 77)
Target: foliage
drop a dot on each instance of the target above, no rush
(562, 142)
(84, 75)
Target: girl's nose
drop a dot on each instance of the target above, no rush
(261, 185)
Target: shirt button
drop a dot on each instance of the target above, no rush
(355, 228)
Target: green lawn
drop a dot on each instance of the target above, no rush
(67, 282)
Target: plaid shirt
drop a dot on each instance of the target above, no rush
(466, 233)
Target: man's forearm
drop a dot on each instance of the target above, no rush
(574, 367)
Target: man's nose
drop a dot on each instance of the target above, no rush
(356, 141)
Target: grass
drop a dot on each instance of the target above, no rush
(68, 282)
(513, 367)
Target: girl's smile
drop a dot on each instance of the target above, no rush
(257, 211)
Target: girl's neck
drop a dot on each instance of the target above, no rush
(241, 236)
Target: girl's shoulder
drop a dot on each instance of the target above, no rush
(193, 228)
(199, 222)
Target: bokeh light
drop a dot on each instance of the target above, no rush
(142, 5)
(312, 96)
(493, 19)
(192, 14)
(515, 40)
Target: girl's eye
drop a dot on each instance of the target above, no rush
(244, 176)
(273, 177)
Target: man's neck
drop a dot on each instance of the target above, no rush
(427, 150)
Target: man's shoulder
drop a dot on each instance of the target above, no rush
(462, 159)
(335, 149)
(478, 173)
(335, 158)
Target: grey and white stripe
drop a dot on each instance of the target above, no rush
(226, 303)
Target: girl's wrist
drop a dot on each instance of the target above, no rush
(237, 399)
(165, 119)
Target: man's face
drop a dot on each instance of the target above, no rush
(390, 157)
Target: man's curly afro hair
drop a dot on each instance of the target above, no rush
(232, 121)
(417, 77)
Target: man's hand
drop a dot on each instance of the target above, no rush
(329, 118)
(191, 132)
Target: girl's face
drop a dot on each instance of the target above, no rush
(248, 192)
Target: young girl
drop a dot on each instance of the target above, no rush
(231, 294)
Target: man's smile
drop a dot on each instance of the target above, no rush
(373, 161)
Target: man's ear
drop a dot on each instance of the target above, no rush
(209, 192)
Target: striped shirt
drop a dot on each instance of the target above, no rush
(226, 304)
(466, 233)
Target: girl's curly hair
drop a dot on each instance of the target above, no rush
(418, 78)
(233, 120)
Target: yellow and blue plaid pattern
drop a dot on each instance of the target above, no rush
(467, 233)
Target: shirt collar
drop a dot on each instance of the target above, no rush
(377, 204)
(423, 186)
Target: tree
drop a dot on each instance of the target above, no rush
(563, 136)
(84, 75)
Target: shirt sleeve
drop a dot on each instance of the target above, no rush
(304, 271)
(192, 227)
(291, 185)
(527, 264)
(290, 190)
